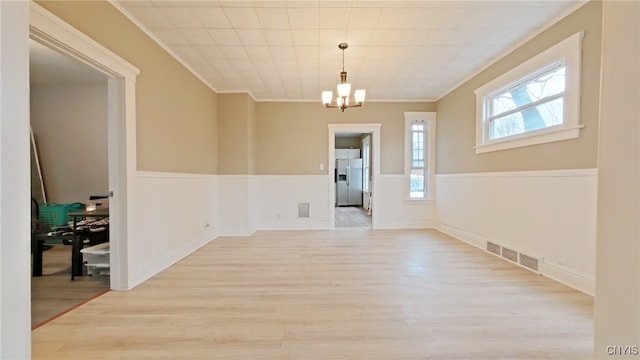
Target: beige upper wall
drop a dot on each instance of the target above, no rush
(457, 118)
(236, 132)
(175, 112)
(293, 138)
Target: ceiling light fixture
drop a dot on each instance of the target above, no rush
(344, 90)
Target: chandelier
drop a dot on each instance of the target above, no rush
(344, 90)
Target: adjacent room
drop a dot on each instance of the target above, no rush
(68, 118)
(320, 179)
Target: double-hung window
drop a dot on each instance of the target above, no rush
(536, 102)
(420, 154)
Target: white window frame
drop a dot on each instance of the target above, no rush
(366, 162)
(569, 50)
(429, 120)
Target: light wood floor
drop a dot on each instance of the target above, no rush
(352, 217)
(53, 293)
(344, 294)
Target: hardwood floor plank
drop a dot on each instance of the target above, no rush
(54, 292)
(344, 294)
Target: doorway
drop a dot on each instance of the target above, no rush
(354, 168)
(68, 102)
(54, 33)
(352, 180)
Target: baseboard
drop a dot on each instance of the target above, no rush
(293, 225)
(236, 231)
(469, 238)
(565, 275)
(147, 271)
(568, 276)
(405, 224)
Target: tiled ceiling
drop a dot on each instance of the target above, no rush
(288, 50)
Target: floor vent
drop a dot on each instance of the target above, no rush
(529, 262)
(303, 210)
(510, 254)
(493, 248)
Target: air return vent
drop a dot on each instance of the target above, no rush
(510, 254)
(303, 210)
(529, 262)
(493, 248)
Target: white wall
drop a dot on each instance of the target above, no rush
(15, 266)
(277, 198)
(70, 126)
(550, 215)
(175, 215)
(394, 209)
(234, 205)
(617, 301)
(270, 202)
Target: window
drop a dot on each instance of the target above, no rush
(420, 154)
(536, 102)
(418, 172)
(366, 162)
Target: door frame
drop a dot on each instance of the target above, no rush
(51, 31)
(374, 130)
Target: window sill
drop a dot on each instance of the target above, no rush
(529, 139)
(426, 201)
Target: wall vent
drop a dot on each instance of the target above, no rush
(303, 210)
(510, 254)
(529, 262)
(493, 248)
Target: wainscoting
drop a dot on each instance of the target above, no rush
(548, 215)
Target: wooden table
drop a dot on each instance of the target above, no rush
(76, 255)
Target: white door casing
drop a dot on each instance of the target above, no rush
(51, 31)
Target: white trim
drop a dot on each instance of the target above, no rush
(568, 276)
(292, 225)
(464, 236)
(569, 49)
(43, 25)
(569, 260)
(531, 138)
(563, 274)
(170, 175)
(366, 176)
(540, 173)
(406, 224)
(147, 271)
(374, 130)
(48, 29)
(15, 259)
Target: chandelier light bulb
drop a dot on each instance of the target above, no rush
(327, 96)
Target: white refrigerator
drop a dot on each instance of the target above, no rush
(349, 182)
